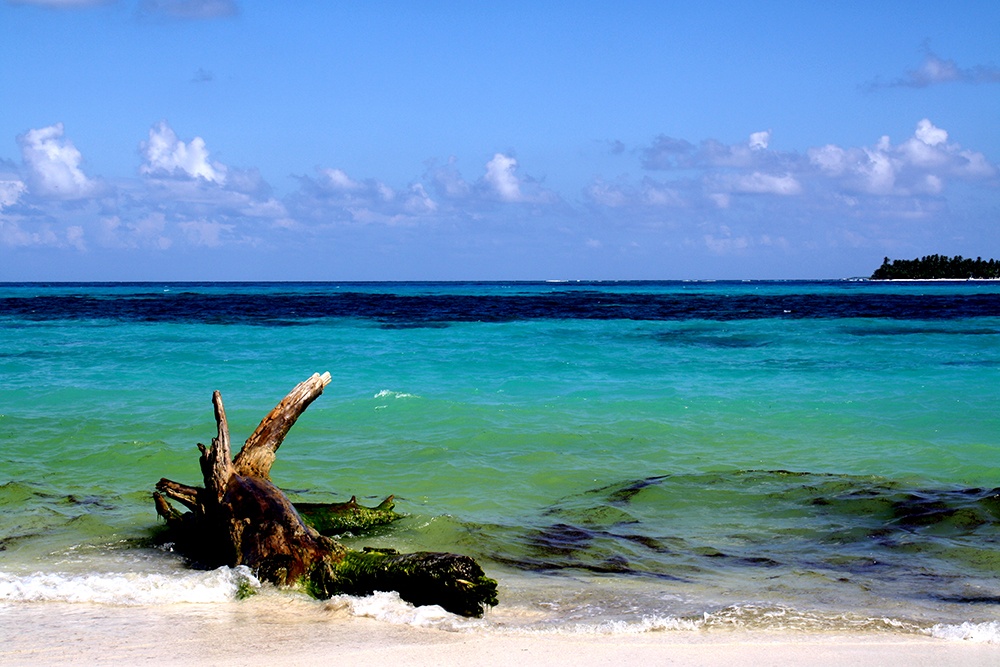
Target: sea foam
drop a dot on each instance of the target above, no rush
(388, 393)
(390, 608)
(984, 633)
(125, 588)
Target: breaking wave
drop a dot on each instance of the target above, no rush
(127, 588)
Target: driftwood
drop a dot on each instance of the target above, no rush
(241, 518)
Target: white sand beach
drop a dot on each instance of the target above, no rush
(64, 634)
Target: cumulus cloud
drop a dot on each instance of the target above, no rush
(758, 183)
(14, 235)
(720, 171)
(668, 153)
(711, 181)
(447, 182)
(54, 164)
(760, 140)
(921, 164)
(142, 231)
(334, 196)
(501, 178)
(166, 155)
(441, 193)
(10, 191)
(188, 198)
(930, 135)
(715, 197)
(501, 181)
(181, 198)
(936, 70)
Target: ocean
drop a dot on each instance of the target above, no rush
(623, 457)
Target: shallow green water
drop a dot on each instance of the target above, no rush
(812, 462)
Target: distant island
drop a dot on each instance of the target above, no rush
(938, 267)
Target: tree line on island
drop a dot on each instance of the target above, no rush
(932, 267)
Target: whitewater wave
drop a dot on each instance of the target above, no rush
(126, 588)
(229, 584)
(981, 633)
(390, 608)
(388, 393)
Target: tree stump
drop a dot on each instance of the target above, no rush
(240, 517)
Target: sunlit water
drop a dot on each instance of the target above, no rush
(623, 457)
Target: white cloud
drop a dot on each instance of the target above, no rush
(54, 164)
(148, 231)
(668, 153)
(500, 176)
(772, 198)
(610, 195)
(204, 232)
(715, 181)
(166, 155)
(657, 194)
(338, 179)
(501, 182)
(974, 165)
(760, 140)
(13, 235)
(334, 196)
(831, 159)
(417, 201)
(448, 182)
(22, 231)
(878, 172)
(440, 195)
(936, 70)
(758, 183)
(933, 184)
(922, 164)
(10, 192)
(930, 135)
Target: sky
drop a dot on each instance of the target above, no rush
(161, 140)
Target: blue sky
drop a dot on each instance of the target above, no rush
(326, 140)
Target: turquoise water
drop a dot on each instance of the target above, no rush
(643, 464)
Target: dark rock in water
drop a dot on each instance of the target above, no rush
(623, 494)
(860, 529)
(969, 599)
(562, 539)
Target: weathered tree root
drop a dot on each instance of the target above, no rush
(241, 518)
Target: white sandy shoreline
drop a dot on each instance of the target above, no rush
(65, 633)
